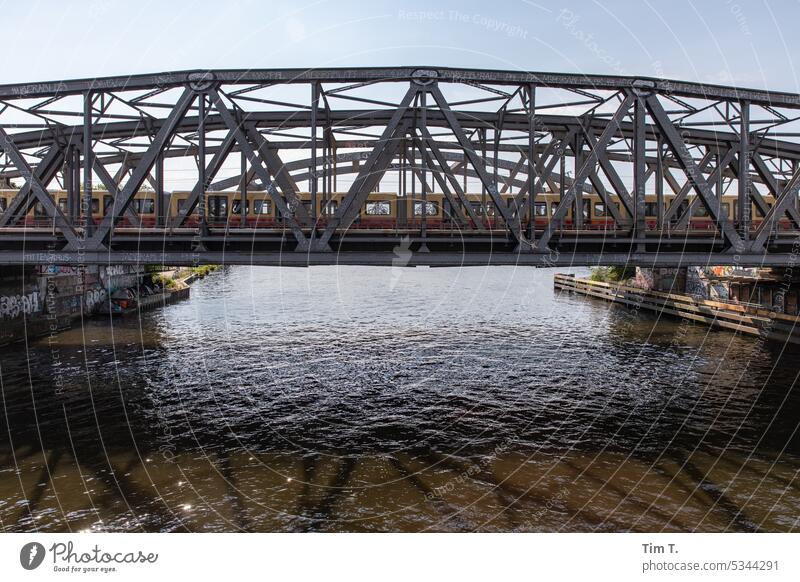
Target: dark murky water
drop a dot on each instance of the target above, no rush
(368, 399)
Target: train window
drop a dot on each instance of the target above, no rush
(477, 207)
(599, 209)
(700, 211)
(108, 202)
(307, 206)
(431, 208)
(330, 207)
(553, 208)
(726, 209)
(651, 208)
(378, 208)
(148, 205)
(62, 204)
(262, 206)
(540, 208)
(757, 212)
(3, 203)
(585, 206)
(38, 210)
(218, 206)
(236, 207)
(95, 205)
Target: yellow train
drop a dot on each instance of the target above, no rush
(381, 210)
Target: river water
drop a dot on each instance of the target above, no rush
(388, 399)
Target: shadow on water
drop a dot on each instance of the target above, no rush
(441, 400)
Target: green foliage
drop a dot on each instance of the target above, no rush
(203, 270)
(164, 280)
(615, 274)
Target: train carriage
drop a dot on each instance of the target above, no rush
(385, 210)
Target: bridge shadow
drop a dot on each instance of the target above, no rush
(73, 459)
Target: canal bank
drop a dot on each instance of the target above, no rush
(732, 312)
(44, 299)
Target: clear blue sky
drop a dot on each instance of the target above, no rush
(746, 43)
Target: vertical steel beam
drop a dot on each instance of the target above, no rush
(87, 165)
(201, 166)
(424, 179)
(161, 214)
(577, 159)
(659, 184)
(639, 169)
(402, 217)
(484, 210)
(243, 191)
(531, 163)
(313, 173)
(76, 185)
(743, 201)
(70, 183)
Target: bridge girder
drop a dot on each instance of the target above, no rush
(505, 132)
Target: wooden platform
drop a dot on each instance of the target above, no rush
(731, 316)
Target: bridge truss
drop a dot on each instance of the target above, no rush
(510, 136)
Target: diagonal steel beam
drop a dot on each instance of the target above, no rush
(775, 189)
(611, 173)
(589, 163)
(139, 174)
(37, 188)
(513, 224)
(682, 192)
(113, 187)
(673, 138)
(377, 161)
(45, 171)
(611, 207)
(545, 164)
(213, 167)
(788, 197)
(437, 175)
(280, 173)
(263, 173)
(440, 157)
(683, 221)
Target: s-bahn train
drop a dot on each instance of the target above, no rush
(381, 210)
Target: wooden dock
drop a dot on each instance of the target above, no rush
(744, 318)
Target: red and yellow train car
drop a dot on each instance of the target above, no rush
(381, 210)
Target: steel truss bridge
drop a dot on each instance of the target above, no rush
(510, 136)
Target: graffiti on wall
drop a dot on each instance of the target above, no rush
(12, 306)
(93, 298)
(57, 270)
(703, 282)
